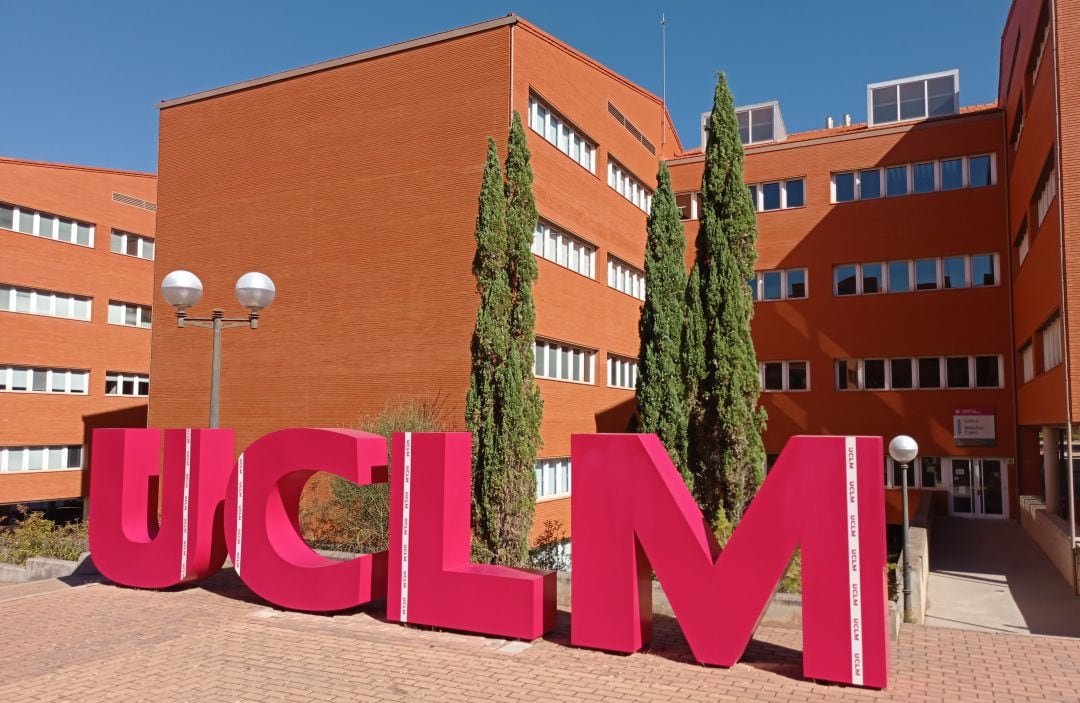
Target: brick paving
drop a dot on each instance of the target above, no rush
(216, 642)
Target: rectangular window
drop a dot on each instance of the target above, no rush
(39, 302)
(552, 477)
(954, 272)
(622, 372)
(129, 384)
(52, 458)
(1027, 360)
(1022, 243)
(843, 187)
(785, 376)
(957, 372)
(872, 278)
(926, 274)
(131, 245)
(899, 276)
(561, 362)
(689, 205)
(796, 283)
(845, 279)
(847, 375)
(988, 371)
(625, 278)
(43, 380)
(564, 249)
(870, 184)
(1051, 343)
(795, 193)
(983, 270)
(933, 95)
(1047, 190)
(874, 374)
(778, 195)
(778, 285)
(46, 226)
(129, 314)
(901, 374)
(772, 285)
(952, 174)
(556, 130)
(770, 196)
(925, 178)
(979, 172)
(896, 181)
(930, 372)
(629, 186)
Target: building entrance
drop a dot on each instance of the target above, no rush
(977, 487)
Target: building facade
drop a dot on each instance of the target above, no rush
(75, 295)
(891, 297)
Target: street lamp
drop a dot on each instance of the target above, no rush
(903, 450)
(183, 289)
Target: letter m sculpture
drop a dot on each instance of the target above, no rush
(632, 514)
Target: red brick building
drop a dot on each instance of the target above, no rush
(75, 294)
(890, 294)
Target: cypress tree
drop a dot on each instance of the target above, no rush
(490, 349)
(727, 456)
(661, 390)
(523, 410)
(503, 407)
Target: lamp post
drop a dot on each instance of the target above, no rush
(903, 450)
(183, 289)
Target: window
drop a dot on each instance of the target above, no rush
(787, 284)
(552, 477)
(1018, 125)
(129, 384)
(55, 458)
(545, 122)
(1047, 190)
(899, 276)
(924, 178)
(846, 280)
(39, 302)
(1027, 358)
(564, 249)
(625, 278)
(628, 186)
(983, 270)
(924, 472)
(621, 372)
(129, 314)
(760, 123)
(1051, 343)
(954, 272)
(131, 245)
(785, 376)
(982, 371)
(1038, 45)
(844, 187)
(926, 274)
(41, 224)
(933, 95)
(561, 362)
(689, 205)
(1022, 243)
(873, 278)
(778, 195)
(43, 380)
(906, 179)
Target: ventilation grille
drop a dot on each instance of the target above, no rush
(621, 119)
(134, 202)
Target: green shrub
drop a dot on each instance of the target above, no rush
(548, 552)
(32, 535)
(343, 516)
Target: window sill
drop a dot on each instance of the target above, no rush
(557, 496)
(563, 380)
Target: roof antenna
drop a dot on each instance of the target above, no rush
(663, 71)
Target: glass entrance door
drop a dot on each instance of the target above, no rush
(978, 487)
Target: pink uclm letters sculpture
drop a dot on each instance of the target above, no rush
(631, 511)
(128, 544)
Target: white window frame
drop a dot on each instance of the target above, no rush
(758, 287)
(1052, 350)
(557, 466)
(622, 372)
(896, 83)
(141, 311)
(785, 376)
(38, 225)
(146, 247)
(583, 358)
(758, 195)
(119, 378)
(10, 456)
(627, 279)
(564, 248)
(695, 205)
(7, 376)
(557, 131)
(1047, 191)
(916, 376)
(882, 172)
(628, 185)
(912, 282)
(1027, 361)
(9, 302)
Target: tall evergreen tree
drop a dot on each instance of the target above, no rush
(503, 407)
(661, 393)
(523, 410)
(490, 350)
(727, 456)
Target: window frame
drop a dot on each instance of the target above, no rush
(785, 376)
(553, 118)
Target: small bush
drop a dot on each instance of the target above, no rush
(549, 552)
(32, 535)
(346, 517)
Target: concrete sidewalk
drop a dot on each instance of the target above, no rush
(989, 575)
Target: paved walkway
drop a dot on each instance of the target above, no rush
(989, 575)
(97, 642)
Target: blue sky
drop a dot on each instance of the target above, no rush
(84, 78)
